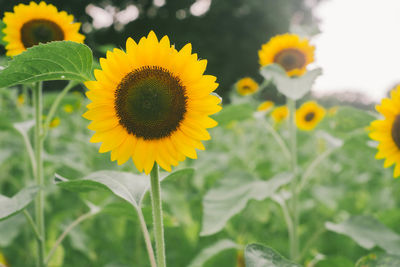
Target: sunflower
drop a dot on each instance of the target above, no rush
(151, 103)
(32, 24)
(246, 86)
(280, 113)
(309, 115)
(265, 106)
(387, 131)
(289, 51)
(20, 100)
(68, 108)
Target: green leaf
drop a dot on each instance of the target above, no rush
(234, 113)
(231, 195)
(292, 87)
(11, 206)
(10, 229)
(2, 26)
(380, 260)
(128, 186)
(368, 233)
(211, 251)
(61, 60)
(259, 256)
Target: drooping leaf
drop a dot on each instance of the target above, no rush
(260, 256)
(231, 195)
(211, 251)
(292, 87)
(11, 206)
(368, 232)
(60, 60)
(128, 186)
(380, 260)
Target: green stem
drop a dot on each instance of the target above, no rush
(55, 105)
(278, 139)
(147, 239)
(39, 202)
(157, 215)
(32, 224)
(294, 241)
(66, 232)
(307, 174)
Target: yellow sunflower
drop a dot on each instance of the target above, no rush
(265, 106)
(246, 86)
(21, 100)
(289, 51)
(280, 113)
(68, 108)
(309, 115)
(151, 103)
(387, 131)
(32, 24)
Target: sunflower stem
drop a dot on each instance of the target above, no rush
(157, 216)
(147, 239)
(294, 238)
(39, 202)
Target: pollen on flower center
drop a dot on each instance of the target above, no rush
(309, 116)
(38, 31)
(150, 102)
(290, 59)
(396, 131)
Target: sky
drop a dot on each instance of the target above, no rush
(359, 47)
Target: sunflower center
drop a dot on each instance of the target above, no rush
(309, 116)
(290, 59)
(396, 131)
(150, 102)
(38, 31)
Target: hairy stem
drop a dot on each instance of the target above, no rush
(157, 216)
(294, 241)
(39, 202)
(146, 236)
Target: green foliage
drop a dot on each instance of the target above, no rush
(231, 195)
(11, 206)
(259, 256)
(128, 186)
(209, 252)
(61, 60)
(234, 113)
(368, 232)
(380, 260)
(2, 25)
(292, 87)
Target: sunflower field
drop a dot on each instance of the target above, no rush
(132, 152)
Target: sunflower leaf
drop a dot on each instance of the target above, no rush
(13, 205)
(380, 260)
(259, 256)
(368, 233)
(128, 186)
(60, 60)
(292, 87)
(211, 251)
(230, 197)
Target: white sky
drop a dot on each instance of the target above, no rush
(359, 47)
